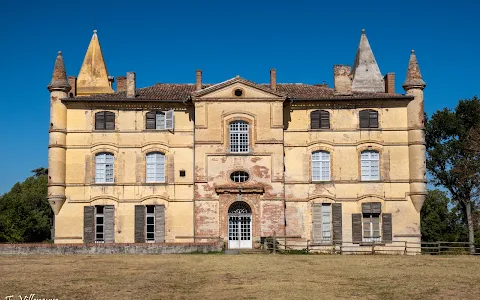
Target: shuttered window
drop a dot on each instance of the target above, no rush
(155, 167)
(105, 120)
(322, 223)
(99, 224)
(370, 166)
(104, 168)
(320, 166)
(320, 119)
(368, 118)
(239, 137)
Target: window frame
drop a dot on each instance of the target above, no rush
(99, 215)
(368, 177)
(326, 210)
(370, 217)
(239, 138)
(156, 165)
(239, 174)
(102, 126)
(372, 124)
(166, 124)
(323, 119)
(107, 167)
(320, 163)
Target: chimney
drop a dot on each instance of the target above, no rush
(111, 80)
(390, 83)
(72, 81)
(130, 84)
(273, 79)
(121, 83)
(342, 80)
(198, 82)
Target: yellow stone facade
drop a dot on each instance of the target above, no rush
(197, 191)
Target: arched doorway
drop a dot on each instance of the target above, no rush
(239, 226)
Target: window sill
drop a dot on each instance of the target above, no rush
(104, 131)
(156, 130)
(103, 184)
(321, 181)
(320, 129)
(239, 153)
(371, 181)
(154, 183)
(370, 129)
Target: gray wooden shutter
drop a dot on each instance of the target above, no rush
(109, 227)
(159, 223)
(317, 223)
(109, 120)
(139, 223)
(337, 222)
(169, 119)
(373, 116)
(150, 120)
(315, 119)
(324, 119)
(387, 228)
(364, 119)
(88, 224)
(100, 120)
(356, 228)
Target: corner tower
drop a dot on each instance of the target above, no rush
(414, 86)
(59, 88)
(93, 77)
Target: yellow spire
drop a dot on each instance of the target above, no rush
(93, 76)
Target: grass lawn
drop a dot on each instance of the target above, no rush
(240, 277)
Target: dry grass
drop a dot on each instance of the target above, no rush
(240, 277)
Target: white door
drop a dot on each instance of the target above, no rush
(239, 231)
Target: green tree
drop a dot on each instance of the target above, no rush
(438, 221)
(25, 214)
(452, 159)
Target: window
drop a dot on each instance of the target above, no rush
(238, 92)
(104, 168)
(105, 120)
(239, 137)
(239, 176)
(159, 120)
(371, 227)
(368, 118)
(320, 119)
(321, 166)
(322, 220)
(99, 224)
(150, 223)
(155, 167)
(370, 165)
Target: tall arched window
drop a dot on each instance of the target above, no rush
(104, 168)
(368, 118)
(155, 167)
(321, 166)
(239, 136)
(320, 119)
(370, 166)
(105, 120)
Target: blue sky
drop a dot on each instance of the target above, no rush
(166, 41)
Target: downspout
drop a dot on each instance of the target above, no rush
(193, 176)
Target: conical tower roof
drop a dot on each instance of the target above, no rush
(93, 76)
(366, 74)
(414, 77)
(59, 77)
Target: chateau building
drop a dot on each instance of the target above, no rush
(237, 160)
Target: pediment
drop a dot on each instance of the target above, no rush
(227, 90)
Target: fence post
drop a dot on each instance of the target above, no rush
(308, 241)
(438, 248)
(405, 252)
(274, 242)
(373, 249)
(285, 241)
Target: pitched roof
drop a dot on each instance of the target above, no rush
(238, 79)
(414, 77)
(182, 92)
(366, 73)
(59, 76)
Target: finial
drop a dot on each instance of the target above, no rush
(363, 31)
(60, 53)
(95, 31)
(413, 51)
(237, 76)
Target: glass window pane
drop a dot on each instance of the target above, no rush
(150, 228)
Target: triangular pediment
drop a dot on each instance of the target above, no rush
(231, 88)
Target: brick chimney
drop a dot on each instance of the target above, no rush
(131, 85)
(273, 79)
(72, 81)
(198, 80)
(121, 83)
(390, 83)
(342, 80)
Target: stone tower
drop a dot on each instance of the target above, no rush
(414, 86)
(59, 88)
